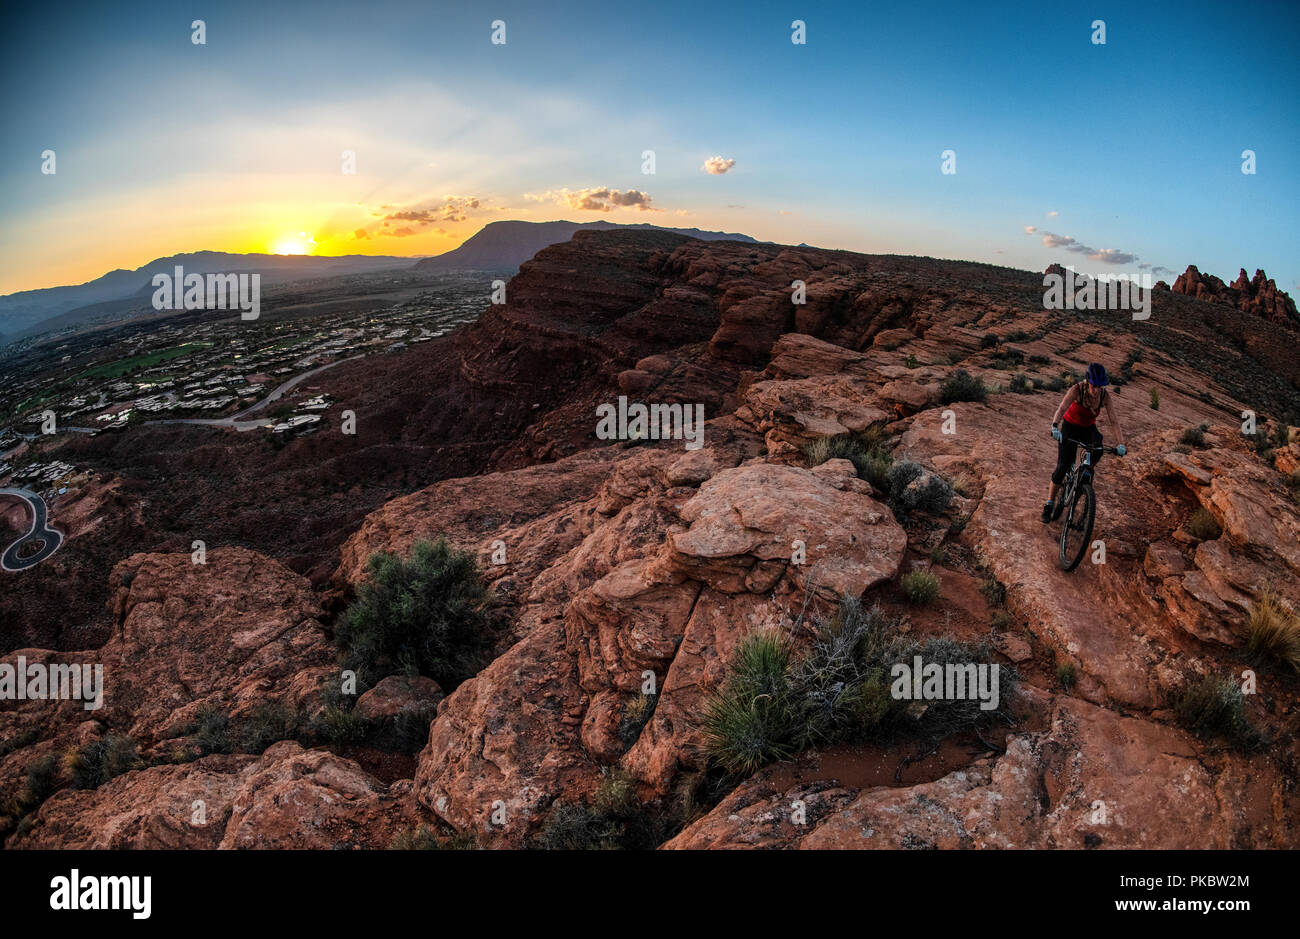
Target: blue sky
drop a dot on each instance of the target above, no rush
(164, 146)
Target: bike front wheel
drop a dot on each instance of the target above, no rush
(1079, 516)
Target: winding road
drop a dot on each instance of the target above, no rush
(234, 420)
(40, 531)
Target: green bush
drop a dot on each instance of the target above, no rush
(920, 587)
(1194, 436)
(988, 341)
(38, 785)
(100, 760)
(212, 732)
(342, 725)
(751, 720)
(865, 450)
(1155, 400)
(264, 725)
(962, 386)
(1020, 384)
(910, 361)
(931, 497)
(614, 820)
(1066, 675)
(1215, 707)
(636, 715)
(427, 615)
(772, 704)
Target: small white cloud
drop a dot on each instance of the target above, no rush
(1053, 213)
(717, 165)
(1030, 229)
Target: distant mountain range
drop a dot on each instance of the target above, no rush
(498, 246)
(32, 311)
(503, 246)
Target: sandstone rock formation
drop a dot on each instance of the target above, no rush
(630, 571)
(1258, 295)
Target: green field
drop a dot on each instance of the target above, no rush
(148, 360)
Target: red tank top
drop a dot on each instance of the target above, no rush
(1079, 413)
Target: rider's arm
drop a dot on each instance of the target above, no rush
(1065, 403)
(1110, 416)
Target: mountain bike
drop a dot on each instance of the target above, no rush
(1079, 504)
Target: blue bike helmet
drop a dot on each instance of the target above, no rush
(1097, 376)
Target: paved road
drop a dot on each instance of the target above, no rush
(235, 421)
(9, 560)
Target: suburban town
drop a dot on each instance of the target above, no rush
(226, 373)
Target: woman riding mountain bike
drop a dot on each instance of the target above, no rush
(1075, 422)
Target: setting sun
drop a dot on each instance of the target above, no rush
(300, 243)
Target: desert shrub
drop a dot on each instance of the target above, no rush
(1194, 436)
(1215, 707)
(931, 497)
(865, 450)
(427, 615)
(265, 724)
(875, 470)
(1039, 360)
(38, 785)
(1020, 384)
(342, 725)
(1055, 383)
(995, 593)
(1066, 675)
(212, 732)
(937, 554)
(1007, 358)
(963, 485)
(920, 587)
(614, 820)
(1203, 525)
(962, 386)
(988, 341)
(100, 760)
(910, 361)
(1155, 400)
(636, 715)
(1000, 619)
(902, 474)
(840, 447)
(1273, 631)
(24, 739)
(750, 720)
(842, 690)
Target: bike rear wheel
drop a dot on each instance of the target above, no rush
(1077, 530)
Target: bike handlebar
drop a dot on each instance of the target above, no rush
(1090, 447)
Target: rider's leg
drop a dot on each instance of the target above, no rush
(1095, 438)
(1065, 453)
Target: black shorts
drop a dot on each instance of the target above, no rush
(1067, 449)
